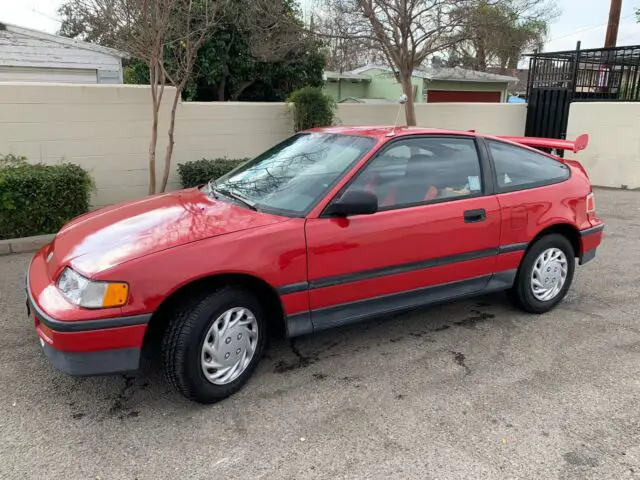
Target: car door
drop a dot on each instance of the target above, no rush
(435, 236)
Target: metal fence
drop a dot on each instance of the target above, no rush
(598, 74)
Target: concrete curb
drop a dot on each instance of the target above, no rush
(24, 245)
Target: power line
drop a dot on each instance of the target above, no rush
(628, 37)
(38, 12)
(586, 29)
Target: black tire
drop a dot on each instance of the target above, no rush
(184, 338)
(521, 293)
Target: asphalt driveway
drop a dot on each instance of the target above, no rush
(473, 389)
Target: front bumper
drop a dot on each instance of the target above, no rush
(105, 362)
(88, 346)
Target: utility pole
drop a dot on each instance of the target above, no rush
(614, 22)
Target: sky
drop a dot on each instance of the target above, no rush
(583, 20)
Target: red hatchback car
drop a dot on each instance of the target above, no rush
(331, 226)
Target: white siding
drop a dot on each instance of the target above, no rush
(47, 75)
(28, 53)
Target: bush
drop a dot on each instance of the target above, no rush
(135, 72)
(39, 199)
(201, 171)
(11, 160)
(311, 108)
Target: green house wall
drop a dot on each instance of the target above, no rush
(345, 89)
(384, 85)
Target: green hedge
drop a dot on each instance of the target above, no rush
(201, 171)
(311, 108)
(39, 199)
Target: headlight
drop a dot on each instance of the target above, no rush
(89, 294)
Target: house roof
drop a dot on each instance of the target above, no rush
(451, 74)
(522, 74)
(371, 101)
(346, 76)
(28, 32)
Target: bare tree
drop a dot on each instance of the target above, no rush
(347, 44)
(273, 28)
(166, 35)
(407, 32)
(496, 33)
(82, 20)
(191, 23)
(144, 29)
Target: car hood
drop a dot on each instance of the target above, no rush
(113, 235)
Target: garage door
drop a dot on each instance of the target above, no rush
(440, 96)
(48, 75)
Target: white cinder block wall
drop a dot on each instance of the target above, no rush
(106, 129)
(612, 158)
(489, 118)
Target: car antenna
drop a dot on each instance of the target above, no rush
(402, 100)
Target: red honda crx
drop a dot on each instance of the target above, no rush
(329, 227)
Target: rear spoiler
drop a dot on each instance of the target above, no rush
(580, 142)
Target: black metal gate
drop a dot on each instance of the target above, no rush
(548, 112)
(558, 78)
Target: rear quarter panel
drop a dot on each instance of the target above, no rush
(525, 213)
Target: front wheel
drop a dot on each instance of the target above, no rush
(545, 274)
(213, 344)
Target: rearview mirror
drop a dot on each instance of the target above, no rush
(354, 202)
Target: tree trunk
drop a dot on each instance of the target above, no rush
(409, 108)
(503, 66)
(157, 90)
(243, 86)
(169, 152)
(481, 58)
(154, 129)
(221, 89)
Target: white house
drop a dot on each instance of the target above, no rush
(32, 56)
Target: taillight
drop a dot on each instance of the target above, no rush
(591, 206)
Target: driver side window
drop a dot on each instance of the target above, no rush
(415, 171)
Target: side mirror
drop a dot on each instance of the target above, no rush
(354, 202)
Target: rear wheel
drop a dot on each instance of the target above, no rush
(545, 274)
(213, 344)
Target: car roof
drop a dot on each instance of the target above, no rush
(382, 131)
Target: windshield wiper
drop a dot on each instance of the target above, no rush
(235, 196)
(211, 186)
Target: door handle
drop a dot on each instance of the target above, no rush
(472, 216)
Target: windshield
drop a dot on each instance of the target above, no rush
(293, 175)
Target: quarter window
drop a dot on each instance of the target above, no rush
(421, 170)
(518, 168)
